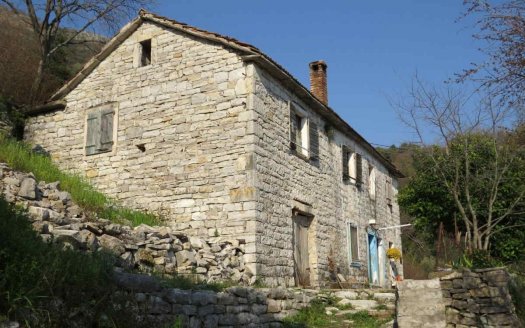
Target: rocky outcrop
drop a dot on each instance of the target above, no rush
(479, 298)
(58, 219)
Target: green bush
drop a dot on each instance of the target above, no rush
(517, 291)
(19, 156)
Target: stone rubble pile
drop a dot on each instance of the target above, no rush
(58, 219)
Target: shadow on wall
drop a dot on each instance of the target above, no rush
(235, 306)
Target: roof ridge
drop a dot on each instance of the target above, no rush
(254, 54)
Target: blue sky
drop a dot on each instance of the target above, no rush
(372, 48)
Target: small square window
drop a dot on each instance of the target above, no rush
(145, 53)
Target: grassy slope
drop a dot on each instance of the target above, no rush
(19, 157)
(34, 275)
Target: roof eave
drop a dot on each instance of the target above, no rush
(327, 112)
(123, 34)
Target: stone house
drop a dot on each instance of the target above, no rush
(222, 142)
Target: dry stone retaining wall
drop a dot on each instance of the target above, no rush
(238, 306)
(479, 298)
(56, 218)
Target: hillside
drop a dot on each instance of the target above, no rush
(19, 57)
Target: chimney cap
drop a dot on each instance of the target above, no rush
(318, 63)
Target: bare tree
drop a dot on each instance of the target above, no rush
(502, 29)
(480, 163)
(46, 18)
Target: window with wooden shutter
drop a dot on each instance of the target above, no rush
(106, 130)
(388, 191)
(92, 133)
(353, 242)
(300, 133)
(358, 169)
(346, 159)
(371, 181)
(293, 129)
(314, 141)
(99, 131)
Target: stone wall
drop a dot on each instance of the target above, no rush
(187, 113)
(479, 298)
(284, 180)
(57, 219)
(202, 138)
(240, 306)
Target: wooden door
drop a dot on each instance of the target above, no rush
(301, 252)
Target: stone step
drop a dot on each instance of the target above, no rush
(418, 284)
(421, 321)
(420, 304)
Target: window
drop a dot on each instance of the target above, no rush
(358, 169)
(145, 52)
(353, 242)
(371, 181)
(304, 135)
(388, 191)
(349, 164)
(99, 131)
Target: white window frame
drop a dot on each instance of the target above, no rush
(371, 181)
(304, 147)
(352, 167)
(349, 226)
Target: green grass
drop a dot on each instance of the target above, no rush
(312, 316)
(363, 320)
(19, 157)
(315, 316)
(193, 283)
(42, 285)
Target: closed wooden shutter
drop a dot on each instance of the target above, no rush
(293, 128)
(92, 136)
(355, 242)
(388, 191)
(314, 140)
(345, 155)
(106, 130)
(359, 169)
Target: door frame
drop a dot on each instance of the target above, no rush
(309, 218)
(372, 234)
(382, 265)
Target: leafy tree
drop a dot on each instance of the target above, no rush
(478, 167)
(47, 17)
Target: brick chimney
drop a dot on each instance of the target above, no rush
(318, 80)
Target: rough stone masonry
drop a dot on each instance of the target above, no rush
(201, 136)
(148, 249)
